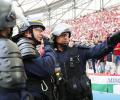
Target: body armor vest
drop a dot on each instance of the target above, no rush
(12, 74)
(72, 64)
(26, 47)
(76, 81)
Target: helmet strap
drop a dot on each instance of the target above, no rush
(56, 45)
(61, 47)
(33, 37)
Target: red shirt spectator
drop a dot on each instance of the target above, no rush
(117, 49)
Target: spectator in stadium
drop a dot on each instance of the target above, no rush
(117, 58)
(101, 65)
(72, 60)
(110, 67)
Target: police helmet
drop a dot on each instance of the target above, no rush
(60, 29)
(32, 24)
(7, 16)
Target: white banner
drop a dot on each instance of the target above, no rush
(96, 79)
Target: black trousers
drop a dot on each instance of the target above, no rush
(67, 95)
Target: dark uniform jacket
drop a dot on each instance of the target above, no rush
(73, 66)
(39, 69)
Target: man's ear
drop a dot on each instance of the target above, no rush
(27, 34)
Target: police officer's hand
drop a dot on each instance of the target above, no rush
(72, 42)
(40, 48)
(114, 38)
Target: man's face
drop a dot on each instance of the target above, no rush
(38, 33)
(63, 39)
(6, 32)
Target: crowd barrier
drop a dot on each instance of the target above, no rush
(105, 83)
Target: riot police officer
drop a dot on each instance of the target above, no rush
(75, 84)
(40, 65)
(12, 74)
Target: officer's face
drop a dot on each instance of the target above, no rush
(6, 32)
(38, 34)
(63, 39)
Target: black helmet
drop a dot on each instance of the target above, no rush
(24, 28)
(32, 24)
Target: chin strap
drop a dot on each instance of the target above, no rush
(33, 37)
(64, 46)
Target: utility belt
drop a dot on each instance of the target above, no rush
(39, 83)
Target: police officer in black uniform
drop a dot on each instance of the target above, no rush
(12, 74)
(75, 85)
(39, 65)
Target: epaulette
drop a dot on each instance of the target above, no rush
(83, 46)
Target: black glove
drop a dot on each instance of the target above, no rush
(114, 39)
(48, 42)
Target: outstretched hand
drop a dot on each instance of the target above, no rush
(114, 38)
